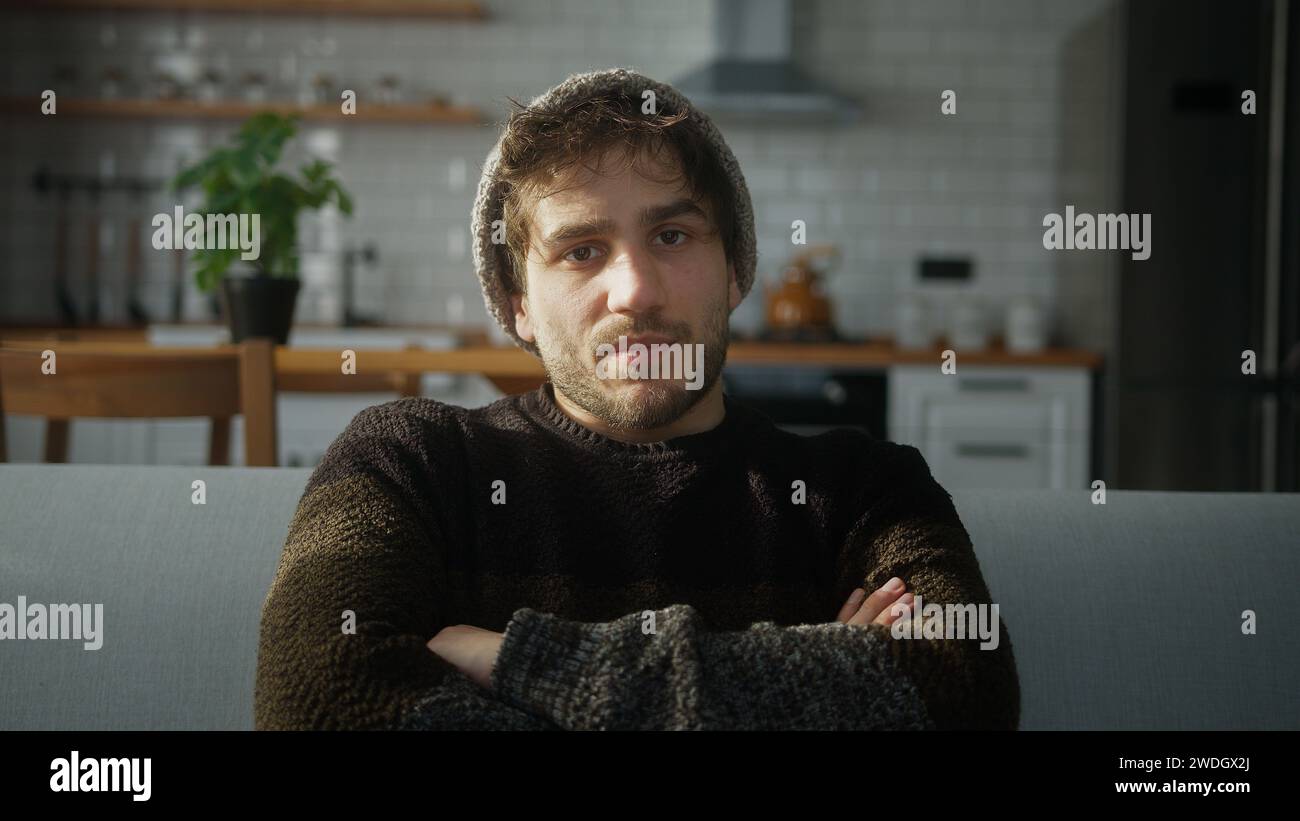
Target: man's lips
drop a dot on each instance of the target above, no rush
(645, 339)
(628, 354)
(650, 339)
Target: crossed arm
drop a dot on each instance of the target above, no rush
(852, 673)
(614, 676)
(474, 651)
(356, 545)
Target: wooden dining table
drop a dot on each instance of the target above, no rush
(513, 370)
(340, 370)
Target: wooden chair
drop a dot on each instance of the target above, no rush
(128, 380)
(404, 384)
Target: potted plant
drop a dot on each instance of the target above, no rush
(241, 179)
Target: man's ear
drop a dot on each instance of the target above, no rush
(732, 287)
(523, 321)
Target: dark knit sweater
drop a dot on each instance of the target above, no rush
(398, 524)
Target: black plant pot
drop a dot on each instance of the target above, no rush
(260, 306)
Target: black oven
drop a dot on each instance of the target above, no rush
(812, 399)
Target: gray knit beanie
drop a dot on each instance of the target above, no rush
(491, 260)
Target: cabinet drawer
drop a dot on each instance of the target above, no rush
(992, 414)
(994, 398)
(974, 458)
(995, 427)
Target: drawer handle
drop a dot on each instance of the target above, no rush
(993, 383)
(993, 450)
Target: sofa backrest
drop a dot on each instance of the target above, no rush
(1128, 615)
(1122, 616)
(182, 587)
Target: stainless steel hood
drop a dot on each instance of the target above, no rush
(752, 75)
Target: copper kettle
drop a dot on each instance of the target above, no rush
(798, 306)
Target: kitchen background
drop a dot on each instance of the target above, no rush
(1042, 88)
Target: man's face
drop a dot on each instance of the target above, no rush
(625, 251)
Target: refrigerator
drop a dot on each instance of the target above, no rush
(1222, 286)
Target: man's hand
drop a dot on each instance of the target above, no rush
(882, 607)
(471, 650)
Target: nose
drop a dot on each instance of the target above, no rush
(635, 283)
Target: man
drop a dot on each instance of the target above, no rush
(625, 547)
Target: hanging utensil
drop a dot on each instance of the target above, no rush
(134, 232)
(92, 255)
(62, 236)
(44, 181)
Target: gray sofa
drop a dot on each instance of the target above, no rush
(1123, 616)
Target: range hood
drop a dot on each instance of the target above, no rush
(752, 75)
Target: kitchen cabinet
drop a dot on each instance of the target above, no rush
(996, 427)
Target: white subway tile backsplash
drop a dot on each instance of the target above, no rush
(903, 182)
(765, 179)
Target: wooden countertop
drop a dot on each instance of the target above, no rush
(494, 361)
(883, 353)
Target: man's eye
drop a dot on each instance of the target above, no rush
(676, 237)
(584, 253)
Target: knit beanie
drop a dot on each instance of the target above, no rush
(491, 260)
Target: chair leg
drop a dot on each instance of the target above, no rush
(409, 384)
(56, 440)
(219, 441)
(257, 401)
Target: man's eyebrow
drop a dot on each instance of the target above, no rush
(574, 230)
(682, 207)
(606, 225)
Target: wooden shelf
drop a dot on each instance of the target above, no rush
(239, 110)
(436, 9)
(471, 335)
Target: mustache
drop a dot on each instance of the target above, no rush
(676, 332)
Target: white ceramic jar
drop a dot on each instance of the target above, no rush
(1026, 330)
(914, 323)
(969, 328)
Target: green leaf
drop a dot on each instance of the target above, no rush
(241, 178)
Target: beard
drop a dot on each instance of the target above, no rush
(651, 403)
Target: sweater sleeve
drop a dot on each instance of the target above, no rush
(913, 532)
(614, 676)
(617, 675)
(362, 548)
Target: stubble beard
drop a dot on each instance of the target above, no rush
(650, 403)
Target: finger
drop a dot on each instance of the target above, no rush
(851, 606)
(920, 623)
(898, 610)
(878, 601)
